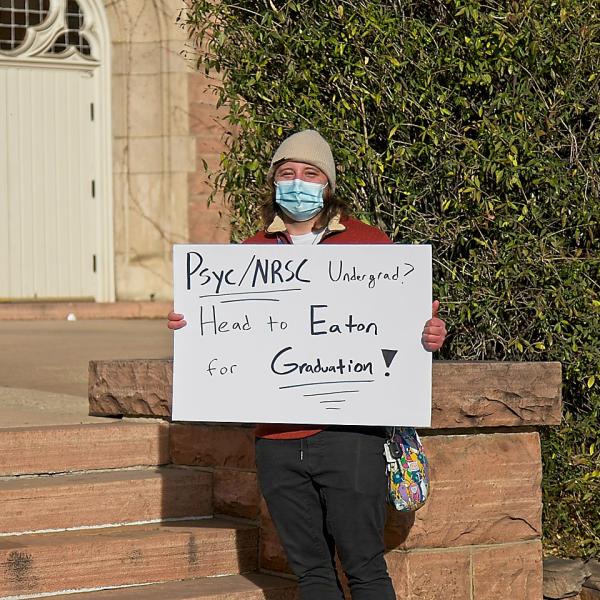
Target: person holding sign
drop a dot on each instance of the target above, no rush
(325, 486)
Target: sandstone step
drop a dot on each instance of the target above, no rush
(136, 554)
(252, 586)
(103, 498)
(55, 449)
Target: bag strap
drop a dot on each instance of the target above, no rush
(391, 432)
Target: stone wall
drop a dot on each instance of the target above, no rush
(164, 125)
(207, 222)
(478, 536)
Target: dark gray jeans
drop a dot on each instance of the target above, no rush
(325, 492)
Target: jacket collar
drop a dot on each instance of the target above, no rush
(278, 226)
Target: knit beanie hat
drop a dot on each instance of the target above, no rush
(309, 147)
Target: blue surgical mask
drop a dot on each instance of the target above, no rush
(298, 199)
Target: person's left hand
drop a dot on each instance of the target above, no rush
(434, 332)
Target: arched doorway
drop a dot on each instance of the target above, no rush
(55, 167)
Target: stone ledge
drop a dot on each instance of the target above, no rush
(464, 394)
(57, 311)
(130, 388)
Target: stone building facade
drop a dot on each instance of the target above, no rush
(105, 128)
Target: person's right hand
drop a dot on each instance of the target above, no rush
(176, 321)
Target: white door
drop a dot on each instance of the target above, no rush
(55, 151)
(47, 195)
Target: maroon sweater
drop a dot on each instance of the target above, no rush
(355, 232)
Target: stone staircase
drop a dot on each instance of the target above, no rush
(150, 509)
(98, 512)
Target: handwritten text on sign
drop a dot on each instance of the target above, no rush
(302, 334)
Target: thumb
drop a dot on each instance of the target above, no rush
(435, 308)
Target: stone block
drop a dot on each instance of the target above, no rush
(235, 493)
(154, 155)
(206, 119)
(485, 490)
(200, 186)
(122, 199)
(564, 577)
(103, 498)
(174, 215)
(138, 58)
(208, 224)
(139, 155)
(593, 581)
(495, 394)
(178, 56)
(142, 277)
(173, 28)
(508, 571)
(203, 87)
(178, 113)
(213, 162)
(182, 154)
(212, 446)
(71, 560)
(130, 387)
(116, 26)
(135, 21)
(119, 108)
(153, 215)
(208, 143)
(526, 394)
(150, 104)
(34, 450)
(143, 96)
(147, 226)
(431, 574)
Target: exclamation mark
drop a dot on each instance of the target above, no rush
(388, 357)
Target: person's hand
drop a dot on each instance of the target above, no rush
(434, 332)
(176, 321)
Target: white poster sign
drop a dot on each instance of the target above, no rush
(327, 334)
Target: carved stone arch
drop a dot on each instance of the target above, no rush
(53, 20)
(132, 21)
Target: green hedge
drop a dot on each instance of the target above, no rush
(471, 126)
